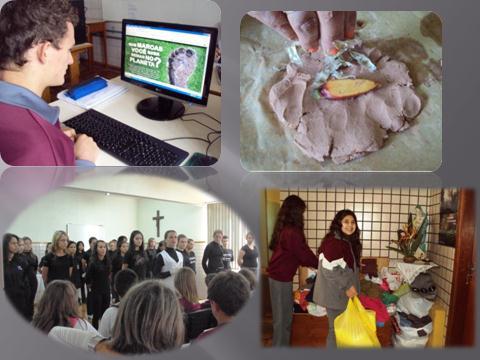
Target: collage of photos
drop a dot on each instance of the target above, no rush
(334, 213)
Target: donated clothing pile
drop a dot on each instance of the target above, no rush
(413, 308)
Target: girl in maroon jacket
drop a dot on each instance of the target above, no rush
(290, 250)
(338, 271)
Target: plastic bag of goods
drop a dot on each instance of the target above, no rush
(356, 327)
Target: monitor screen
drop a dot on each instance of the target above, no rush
(170, 59)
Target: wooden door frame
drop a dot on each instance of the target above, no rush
(464, 256)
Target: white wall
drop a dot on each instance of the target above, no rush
(183, 218)
(118, 214)
(193, 12)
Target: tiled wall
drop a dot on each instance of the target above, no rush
(380, 213)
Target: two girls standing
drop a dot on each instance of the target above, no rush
(338, 266)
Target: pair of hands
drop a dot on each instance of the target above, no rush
(84, 147)
(313, 29)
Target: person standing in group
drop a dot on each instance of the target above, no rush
(338, 268)
(151, 253)
(191, 254)
(136, 258)
(98, 278)
(212, 261)
(228, 257)
(168, 261)
(15, 276)
(48, 249)
(112, 248)
(117, 263)
(290, 250)
(32, 263)
(182, 242)
(58, 264)
(79, 254)
(248, 254)
(77, 266)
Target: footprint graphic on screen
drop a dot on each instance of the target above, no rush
(181, 64)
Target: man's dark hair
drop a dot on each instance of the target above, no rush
(230, 291)
(26, 23)
(92, 239)
(124, 280)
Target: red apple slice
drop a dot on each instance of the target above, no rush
(346, 88)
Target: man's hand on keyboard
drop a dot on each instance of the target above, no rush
(86, 149)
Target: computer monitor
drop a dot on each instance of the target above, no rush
(172, 60)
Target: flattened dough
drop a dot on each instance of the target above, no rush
(344, 130)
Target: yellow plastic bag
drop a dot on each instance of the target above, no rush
(356, 327)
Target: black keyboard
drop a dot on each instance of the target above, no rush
(127, 144)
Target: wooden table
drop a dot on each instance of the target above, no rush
(75, 67)
(97, 27)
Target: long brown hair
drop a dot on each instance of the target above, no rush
(185, 284)
(354, 239)
(149, 320)
(290, 214)
(57, 305)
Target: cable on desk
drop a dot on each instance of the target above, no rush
(188, 138)
(211, 143)
(203, 113)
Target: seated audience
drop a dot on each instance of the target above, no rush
(122, 282)
(58, 307)
(228, 292)
(250, 276)
(149, 320)
(186, 286)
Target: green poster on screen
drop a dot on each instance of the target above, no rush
(164, 61)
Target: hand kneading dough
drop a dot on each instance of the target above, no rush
(345, 129)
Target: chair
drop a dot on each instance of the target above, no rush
(198, 321)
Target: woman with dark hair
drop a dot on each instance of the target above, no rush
(290, 250)
(58, 265)
(15, 274)
(32, 267)
(149, 320)
(76, 272)
(136, 258)
(117, 262)
(98, 277)
(79, 255)
(58, 307)
(338, 268)
(48, 250)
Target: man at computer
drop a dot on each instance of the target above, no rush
(35, 41)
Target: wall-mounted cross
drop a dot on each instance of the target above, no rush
(157, 219)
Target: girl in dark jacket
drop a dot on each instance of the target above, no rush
(98, 278)
(290, 250)
(79, 256)
(136, 258)
(15, 275)
(338, 268)
(117, 263)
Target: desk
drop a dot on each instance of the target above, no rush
(75, 67)
(97, 27)
(123, 109)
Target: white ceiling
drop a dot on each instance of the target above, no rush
(151, 187)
